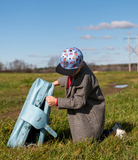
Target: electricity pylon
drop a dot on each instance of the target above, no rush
(132, 50)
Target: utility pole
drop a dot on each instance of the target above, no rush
(137, 50)
(129, 54)
(132, 50)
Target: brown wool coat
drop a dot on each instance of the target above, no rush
(85, 104)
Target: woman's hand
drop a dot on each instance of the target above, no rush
(55, 83)
(51, 100)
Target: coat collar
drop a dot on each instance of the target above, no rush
(81, 70)
(70, 88)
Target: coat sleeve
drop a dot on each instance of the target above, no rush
(80, 96)
(62, 81)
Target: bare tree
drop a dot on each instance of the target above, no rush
(1, 66)
(19, 65)
(53, 61)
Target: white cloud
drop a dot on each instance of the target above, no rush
(87, 37)
(92, 37)
(96, 52)
(53, 55)
(102, 60)
(106, 37)
(113, 25)
(32, 55)
(129, 32)
(89, 49)
(107, 55)
(116, 53)
(110, 48)
(126, 48)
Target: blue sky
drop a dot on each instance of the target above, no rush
(36, 30)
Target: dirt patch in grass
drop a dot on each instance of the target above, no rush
(10, 115)
(106, 91)
(111, 90)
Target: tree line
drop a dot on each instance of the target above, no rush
(21, 66)
(16, 66)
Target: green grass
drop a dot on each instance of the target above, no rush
(121, 107)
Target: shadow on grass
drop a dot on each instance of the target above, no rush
(63, 134)
(127, 126)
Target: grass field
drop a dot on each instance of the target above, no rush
(121, 107)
